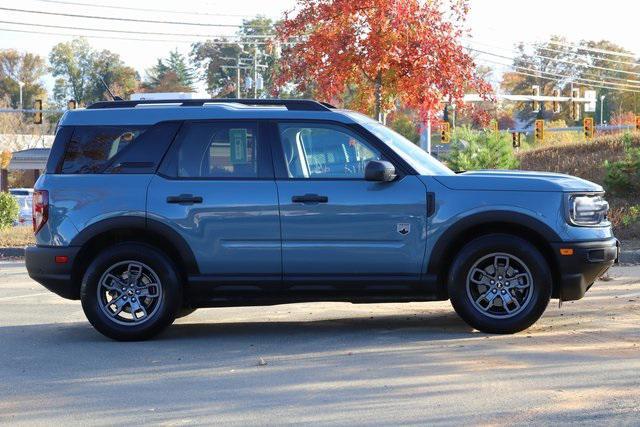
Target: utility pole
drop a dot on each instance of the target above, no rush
(236, 67)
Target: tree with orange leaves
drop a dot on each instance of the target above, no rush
(388, 50)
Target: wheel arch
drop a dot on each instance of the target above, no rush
(132, 229)
(453, 239)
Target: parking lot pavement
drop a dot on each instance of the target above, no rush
(324, 363)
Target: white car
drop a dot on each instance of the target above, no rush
(24, 196)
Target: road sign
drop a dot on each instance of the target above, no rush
(590, 107)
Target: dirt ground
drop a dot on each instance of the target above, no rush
(322, 363)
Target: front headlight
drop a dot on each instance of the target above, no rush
(587, 209)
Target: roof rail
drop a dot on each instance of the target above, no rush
(290, 104)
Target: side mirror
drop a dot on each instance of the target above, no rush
(380, 171)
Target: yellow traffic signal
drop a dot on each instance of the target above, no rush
(638, 123)
(588, 127)
(445, 133)
(494, 126)
(516, 139)
(37, 117)
(556, 103)
(535, 91)
(538, 134)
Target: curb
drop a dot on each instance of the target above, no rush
(626, 257)
(630, 257)
(12, 252)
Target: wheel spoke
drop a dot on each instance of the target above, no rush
(501, 268)
(517, 283)
(113, 283)
(149, 290)
(489, 297)
(119, 302)
(484, 279)
(134, 272)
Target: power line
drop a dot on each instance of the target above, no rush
(148, 21)
(578, 46)
(534, 55)
(91, 36)
(140, 9)
(64, 27)
(576, 54)
(559, 60)
(559, 77)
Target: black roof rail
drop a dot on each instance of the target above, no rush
(290, 104)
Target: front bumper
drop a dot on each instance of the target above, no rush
(578, 271)
(57, 277)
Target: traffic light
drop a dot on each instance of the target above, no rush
(535, 91)
(575, 106)
(538, 134)
(445, 133)
(516, 139)
(37, 117)
(587, 126)
(556, 104)
(494, 126)
(72, 104)
(638, 123)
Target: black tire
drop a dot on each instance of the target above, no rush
(496, 319)
(165, 306)
(184, 312)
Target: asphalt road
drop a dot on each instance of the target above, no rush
(324, 363)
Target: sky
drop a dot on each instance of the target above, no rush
(497, 24)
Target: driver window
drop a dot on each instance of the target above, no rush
(324, 151)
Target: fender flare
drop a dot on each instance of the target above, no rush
(442, 247)
(146, 225)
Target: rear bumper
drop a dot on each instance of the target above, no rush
(577, 272)
(43, 268)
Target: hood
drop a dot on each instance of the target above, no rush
(507, 180)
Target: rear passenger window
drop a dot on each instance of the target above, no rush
(92, 147)
(216, 150)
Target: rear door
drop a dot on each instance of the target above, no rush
(216, 189)
(335, 224)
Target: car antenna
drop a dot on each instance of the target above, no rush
(113, 97)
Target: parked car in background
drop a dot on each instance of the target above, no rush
(151, 209)
(24, 197)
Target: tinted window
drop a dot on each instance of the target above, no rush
(216, 150)
(92, 147)
(19, 192)
(324, 151)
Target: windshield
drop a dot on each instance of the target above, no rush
(419, 159)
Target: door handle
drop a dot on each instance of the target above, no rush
(184, 199)
(310, 198)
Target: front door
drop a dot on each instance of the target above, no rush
(216, 189)
(337, 225)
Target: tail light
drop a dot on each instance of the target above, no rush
(40, 209)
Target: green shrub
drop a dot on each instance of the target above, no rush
(484, 150)
(403, 124)
(631, 216)
(623, 177)
(8, 210)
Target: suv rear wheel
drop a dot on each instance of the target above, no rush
(131, 291)
(500, 283)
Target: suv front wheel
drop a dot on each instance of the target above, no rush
(131, 291)
(500, 283)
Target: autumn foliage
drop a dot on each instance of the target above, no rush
(384, 51)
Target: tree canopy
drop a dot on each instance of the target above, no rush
(385, 50)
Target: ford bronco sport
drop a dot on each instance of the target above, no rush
(151, 209)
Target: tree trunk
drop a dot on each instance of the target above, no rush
(378, 97)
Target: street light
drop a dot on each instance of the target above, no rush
(602, 97)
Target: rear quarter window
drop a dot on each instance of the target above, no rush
(91, 148)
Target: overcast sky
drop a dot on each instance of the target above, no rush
(498, 24)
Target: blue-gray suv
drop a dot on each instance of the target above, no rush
(151, 209)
